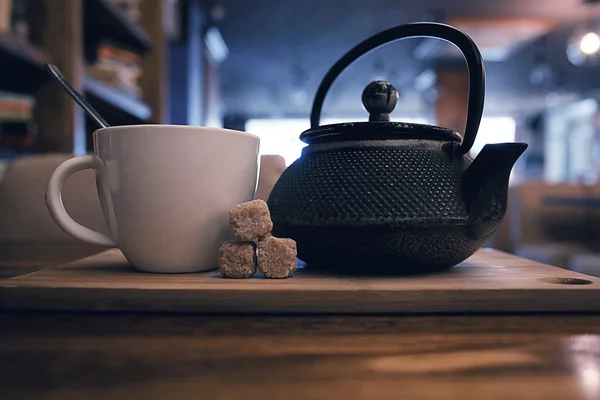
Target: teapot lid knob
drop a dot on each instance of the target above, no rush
(379, 99)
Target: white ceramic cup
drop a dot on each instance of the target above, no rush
(165, 192)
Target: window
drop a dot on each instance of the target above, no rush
(494, 130)
(281, 136)
(570, 149)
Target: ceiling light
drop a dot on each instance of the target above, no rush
(589, 43)
(583, 49)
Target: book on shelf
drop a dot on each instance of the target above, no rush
(15, 106)
(18, 131)
(117, 67)
(17, 127)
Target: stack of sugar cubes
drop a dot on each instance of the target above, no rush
(254, 246)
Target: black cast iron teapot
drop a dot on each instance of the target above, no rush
(392, 196)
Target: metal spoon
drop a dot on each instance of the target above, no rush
(78, 97)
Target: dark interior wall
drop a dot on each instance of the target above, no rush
(186, 67)
(281, 50)
(178, 55)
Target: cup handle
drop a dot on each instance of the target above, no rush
(57, 208)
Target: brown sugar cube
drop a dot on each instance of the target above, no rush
(277, 257)
(237, 260)
(250, 221)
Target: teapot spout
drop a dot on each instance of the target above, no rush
(485, 184)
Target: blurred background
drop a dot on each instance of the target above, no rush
(255, 66)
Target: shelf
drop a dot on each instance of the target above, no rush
(102, 19)
(22, 65)
(118, 108)
(14, 47)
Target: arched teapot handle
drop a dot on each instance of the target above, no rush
(422, 29)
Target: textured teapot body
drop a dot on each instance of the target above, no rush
(392, 202)
(403, 183)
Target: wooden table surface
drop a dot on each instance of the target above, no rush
(100, 356)
(156, 356)
(10, 269)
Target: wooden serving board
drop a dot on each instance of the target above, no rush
(490, 281)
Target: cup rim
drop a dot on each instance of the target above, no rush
(151, 127)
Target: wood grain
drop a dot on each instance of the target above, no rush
(490, 281)
(18, 258)
(154, 80)
(57, 29)
(10, 269)
(99, 356)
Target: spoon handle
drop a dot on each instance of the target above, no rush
(87, 107)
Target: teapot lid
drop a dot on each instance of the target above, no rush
(380, 105)
(379, 98)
